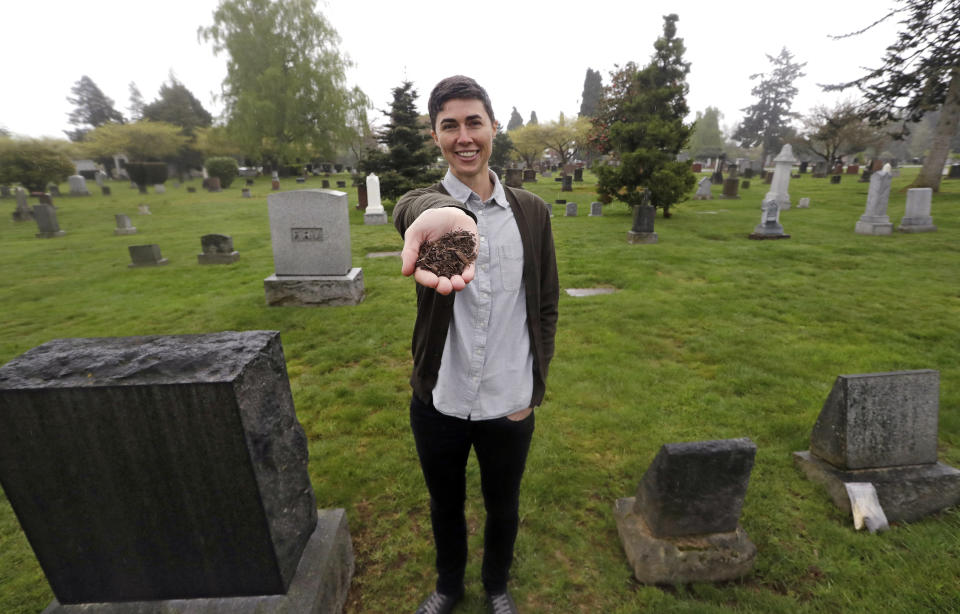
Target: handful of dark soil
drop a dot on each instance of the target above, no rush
(448, 255)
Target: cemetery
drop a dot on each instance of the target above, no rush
(776, 372)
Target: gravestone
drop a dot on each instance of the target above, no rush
(853, 169)
(46, 217)
(514, 178)
(105, 190)
(343, 184)
(275, 180)
(191, 189)
(249, 181)
(124, 225)
(804, 203)
(954, 172)
(145, 256)
(717, 176)
(835, 179)
(100, 177)
(546, 174)
(53, 189)
(803, 167)
(596, 209)
(558, 179)
(159, 188)
(769, 226)
(683, 524)
(642, 231)
(748, 173)
(529, 175)
(213, 184)
(362, 199)
(696, 167)
(374, 215)
(745, 184)
(881, 428)
(875, 220)
(768, 177)
(301, 179)
(245, 193)
(820, 170)
(730, 186)
(179, 472)
(217, 249)
(567, 185)
(703, 189)
(571, 210)
(78, 185)
(143, 209)
(917, 216)
(4, 191)
(310, 234)
(876, 165)
(560, 201)
(22, 213)
(324, 183)
(865, 176)
(780, 182)
(578, 174)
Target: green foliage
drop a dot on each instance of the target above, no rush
(285, 93)
(564, 137)
(410, 151)
(533, 119)
(640, 122)
(528, 144)
(142, 141)
(592, 93)
(515, 121)
(224, 168)
(707, 140)
(178, 106)
(837, 131)
(766, 123)
(502, 148)
(33, 164)
(93, 108)
(147, 173)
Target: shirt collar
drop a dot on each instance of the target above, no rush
(462, 193)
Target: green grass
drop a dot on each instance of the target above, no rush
(709, 336)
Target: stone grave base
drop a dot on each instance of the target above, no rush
(50, 235)
(916, 225)
(375, 219)
(319, 585)
(906, 493)
(315, 290)
(641, 237)
(713, 557)
(760, 236)
(124, 231)
(225, 258)
(874, 225)
(161, 262)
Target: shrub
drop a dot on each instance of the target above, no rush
(224, 168)
(33, 165)
(147, 173)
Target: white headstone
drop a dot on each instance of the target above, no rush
(917, 217)
(78, 185)
(159, 189)
(143, 209)
(703, 189)
(124, 225)
(783, 163)
(310, 232)
(875, 220)
(375, 214)
(804, 203)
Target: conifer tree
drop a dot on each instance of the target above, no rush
(93, 108)
(533, 119)
(515, 120)
(640, 122)
(592, 92)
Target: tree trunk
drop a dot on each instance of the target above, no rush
(932, 170)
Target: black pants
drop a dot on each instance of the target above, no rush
(443, 444)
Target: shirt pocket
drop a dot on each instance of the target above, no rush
(511, 266)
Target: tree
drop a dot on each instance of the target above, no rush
(285, 92)
(640, 122)
(93, 108)
(502, 146)
(533, 118)
(707, 140)
(592, 92)
(33, 163)
(766, 123)
(178, 106)
(528, 144)
(837, 131)
(920, 73)
(564, 137)
(136, 102)
(143, 141)
(405, 164)
(515, 121)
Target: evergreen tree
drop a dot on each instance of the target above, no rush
(767, 121)
(178, 106)
(920, 72)
(515, 120)
(136, 102)
(410, 151)
(640, 121)
(502, 146)
(533, 119)
(93, 108)
(592, 92)
(707, 140)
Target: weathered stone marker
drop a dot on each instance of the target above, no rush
(47, 225)
(596, 209)
(917, 216)
(567, 183)
(146, 255)
(769, 226)
(642, 232)
(683, 524)
(22, 213)
(882, 428)
(703, 189)
(875, 220)
(514, 178)
(374, 214)
(151, 469)
(217, 249)
(571, 209)
(124, 225)
(780, 183)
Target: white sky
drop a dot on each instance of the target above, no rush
(532, 55)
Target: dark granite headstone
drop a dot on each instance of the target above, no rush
(748, 173)
(105, 190)
(362, 197)
(157, 468)
(213, 184)
(578, 174)
(835, 179)
(325, 183)
(730, 187)
(954, 172)
(46, 218)
(191, 189)
(145, 255)
(529, 175)
(249, 181)
(217, 249)
(642, 231)
(567, 184)
(301, 179)
(341, 184)
(560, 201)
(514, 177)
(558, 179)
(697, 487)
(745, 184)
(803, 167)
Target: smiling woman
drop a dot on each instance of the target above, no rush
(464, 132)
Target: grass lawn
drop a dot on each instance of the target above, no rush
(708, 336)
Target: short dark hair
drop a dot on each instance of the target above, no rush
(453, 87)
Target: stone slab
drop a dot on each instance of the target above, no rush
(384, 254)
(906, 493)
(879, 228)
(596, 209)
(701, 558)
(375, 219)
(756, 236)
(315, 291)
(879, 420)
(218, 258)
(635, 238)
(309, 232)
(159, 467)
(580, 292)
(319, 585)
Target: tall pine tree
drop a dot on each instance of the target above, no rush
(410, 151)
(592, 92)
(640, 121)
(515, 120)
(93, 108)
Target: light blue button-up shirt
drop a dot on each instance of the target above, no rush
(486, 370)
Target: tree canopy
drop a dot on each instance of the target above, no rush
(533, 119)
(178, 106)
(285, 93)
(502, 147)
(920, 73)
(515, 121)
(564, 137)
(93, 108)
(33, 163)
(592, 92)
(766, 123)
(640, 122)
(830, 132)
(143, 141)
(707, 140)
(528, 144)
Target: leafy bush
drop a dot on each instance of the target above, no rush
(33, 164)
(147, 173)
(224, 168)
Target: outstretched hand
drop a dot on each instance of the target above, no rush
(430, 226)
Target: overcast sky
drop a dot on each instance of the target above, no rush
(531, 55)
